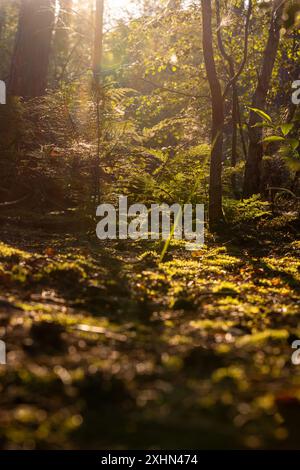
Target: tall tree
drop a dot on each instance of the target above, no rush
(2, 18)
(98, 89)
(252, 180)
(98, 39)
(215, 183)
(61, 41)
(234, 76)
(30, 61)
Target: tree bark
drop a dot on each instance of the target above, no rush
(61, 40)
(252, 179)
(215, 183)
(98, 92)
(234, 76)
(2, 19)
(98, 40)
(29, 67)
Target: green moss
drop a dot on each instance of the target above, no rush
(262, 336)
(210, 358)
(212, 324)
(66, 273)
(9, 253)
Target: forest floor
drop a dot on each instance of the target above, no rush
(109, 349)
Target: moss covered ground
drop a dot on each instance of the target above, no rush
(108, 348)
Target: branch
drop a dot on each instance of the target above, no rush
(14, 203)
(171, 90)
(226, 56)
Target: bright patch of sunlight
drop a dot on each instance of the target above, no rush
(117, 8)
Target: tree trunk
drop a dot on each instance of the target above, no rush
(215, 183)
(98, 40)
(2, 19)
(98, 91)
(233, 84)
(61, 40)
(234, 154)
(252, 180)
(29, 67)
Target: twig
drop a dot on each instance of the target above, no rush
(171, 90)
(98, 330)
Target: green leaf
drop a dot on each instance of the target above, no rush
(286, 128)
(262, 114)
(294, 163)
(293, 143)
(264, 124)
(273, 138)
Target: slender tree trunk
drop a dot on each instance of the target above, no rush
(63, 22)
(2, 19)
(98, 91)
(234, 154)
(252, 180)
(29, 67)
(215, 184)
(61, 40)
(234, 76)
(98, 40)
